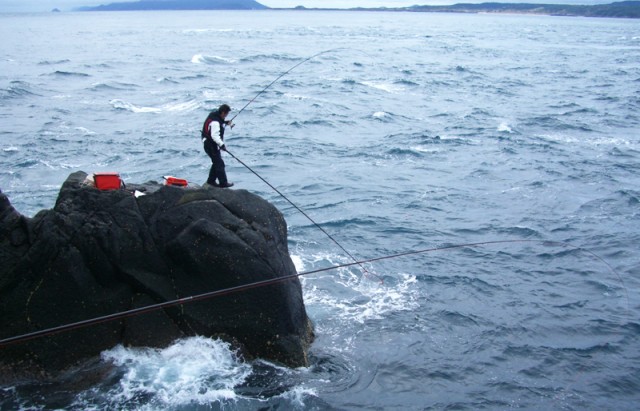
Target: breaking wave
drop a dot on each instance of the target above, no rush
(189, 105)
(211, 60)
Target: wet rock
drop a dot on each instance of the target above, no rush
(102, 252)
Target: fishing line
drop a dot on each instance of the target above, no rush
(306, 215)
(282, 75)
(263, 283)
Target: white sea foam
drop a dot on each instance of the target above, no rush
(67, 166)
(295, 96)
(223, 94)
(297, 261)
(85, 131)
(429, 150)
(198, 31)
(388, 87)
(504, 127)
(297, 395)
(596, 141)
(189, 105)
(123, 105)
(359, 296)
(388, 298)
(195, 370)
(610, 141)
(379, 114)
(204, 59)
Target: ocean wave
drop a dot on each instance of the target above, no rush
(518, 232)
(199, 373)
(555, 139)
(405, 82)
(458, 319)
(18, 89)
(211, 60)
(53, 62)
(209, 30)
(194, 77)
(193, 371)
(344, 223)
(167, 80)
(631, 196)
(28, 163)
(404, 152)
(69, 74)
(316, 122)
(275, 56)
(336, 372)
(291, 96)
(113, 86)
(391, 88)
(505, 128)
(349, 296)
(425, 139)
(85, 131)
(126, 106)
(556, 124)
(417, 149)
(580, 110)
(189, 105)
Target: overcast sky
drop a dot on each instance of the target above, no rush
(68, 5)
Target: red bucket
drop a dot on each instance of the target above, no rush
(174, 181)
(107, 181)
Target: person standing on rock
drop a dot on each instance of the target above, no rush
(213, 139)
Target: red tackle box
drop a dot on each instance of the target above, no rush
(107, 181)
(174, 181)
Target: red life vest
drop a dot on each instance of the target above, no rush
(206, 132)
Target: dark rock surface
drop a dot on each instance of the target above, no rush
(101, 252)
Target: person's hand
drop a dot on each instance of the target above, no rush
(223, 147)
(229, 123)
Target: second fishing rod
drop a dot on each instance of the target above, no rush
(231, 124)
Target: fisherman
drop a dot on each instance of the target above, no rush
(213, 139)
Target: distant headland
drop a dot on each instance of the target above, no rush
(179, 5)
(623, 9)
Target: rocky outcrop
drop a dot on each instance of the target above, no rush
(101, 252)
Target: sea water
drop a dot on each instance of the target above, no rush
(411, 131)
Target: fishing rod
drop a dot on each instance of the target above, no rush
(263, 283)
(279, 77)
(273, 187)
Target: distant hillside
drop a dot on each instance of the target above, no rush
(626, 9)
(629, 9)
(180, 5)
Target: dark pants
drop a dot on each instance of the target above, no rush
(217, 166)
